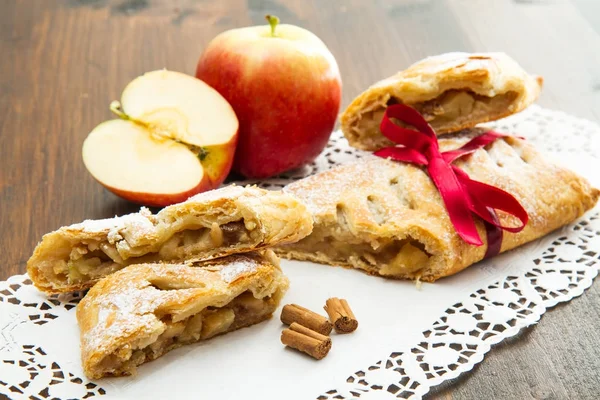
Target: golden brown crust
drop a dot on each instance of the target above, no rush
(366, 213)
(125, 318)
(497, 85)
(194, 230)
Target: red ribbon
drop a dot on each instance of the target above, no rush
(462, 195)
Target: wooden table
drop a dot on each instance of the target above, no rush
(63, 61)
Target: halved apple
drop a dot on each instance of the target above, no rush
(176, 137)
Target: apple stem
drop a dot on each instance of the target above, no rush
(273, 21)
(115, 107)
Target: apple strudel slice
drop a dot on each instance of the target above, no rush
(143, 311)
(452, 91)
(387, 218)
(213, 224)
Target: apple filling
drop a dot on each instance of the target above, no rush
(458, 106)
(88, 265)
(93, 260)
(186, 243)
(400, 258)
(242, 311)
(453, 107)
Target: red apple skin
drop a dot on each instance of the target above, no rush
(285, 93)
(161, 200)
(219, 161)
(216, 166)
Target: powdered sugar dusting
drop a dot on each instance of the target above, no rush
(235, 270)
(323, 191)
(141, 218)
(131, 227)
(115, 315)
(136, 227)
(99, 225)
(228, 192)
(406, 198)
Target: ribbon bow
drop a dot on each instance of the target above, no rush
(462, 195)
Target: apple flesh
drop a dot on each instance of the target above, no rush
(176, 137)
(285, 88)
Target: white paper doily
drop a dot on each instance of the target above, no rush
(409, 340)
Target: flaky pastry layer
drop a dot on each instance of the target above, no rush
(387, 218)
(213, 224)
(452, 91)
(143, 311)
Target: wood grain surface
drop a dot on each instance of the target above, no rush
(63, 61)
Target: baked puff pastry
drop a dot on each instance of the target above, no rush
(213, 224)
(143, 311)
(452, 91)
(387, 218)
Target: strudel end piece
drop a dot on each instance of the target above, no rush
(212, 224)
(388, 218)
(452, 91)
(143, 311)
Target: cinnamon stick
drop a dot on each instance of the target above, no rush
(341, 315)
(305, 317)
(306, 340)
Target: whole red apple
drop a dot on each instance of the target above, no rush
(285, 88)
